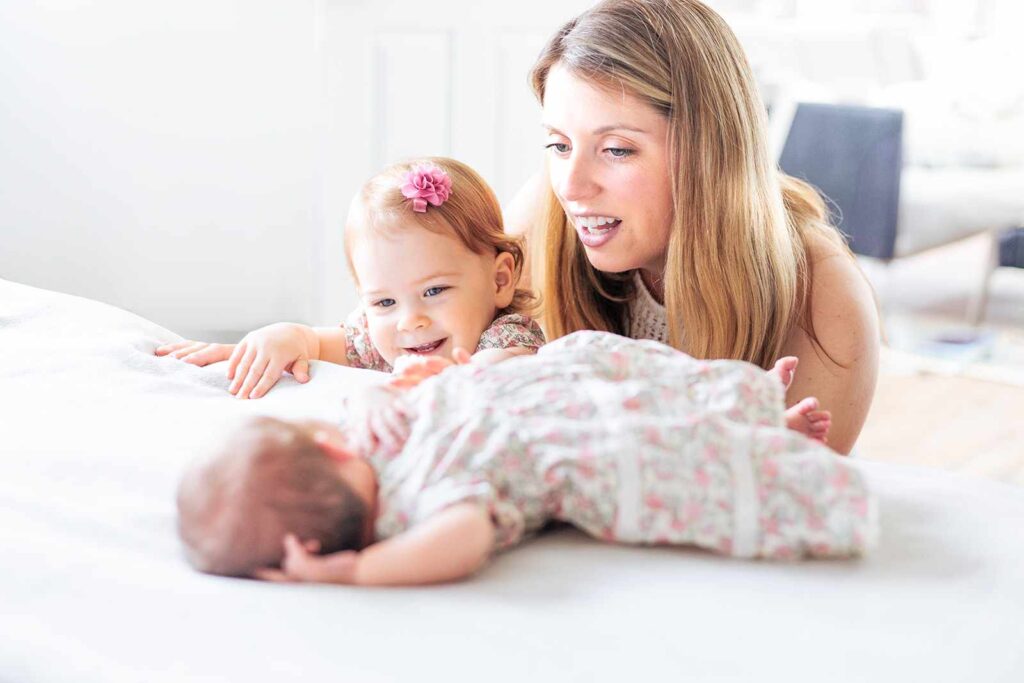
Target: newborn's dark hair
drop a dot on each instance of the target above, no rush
(267, 479)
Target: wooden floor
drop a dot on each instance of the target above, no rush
(956, 423)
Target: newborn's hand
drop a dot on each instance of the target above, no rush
(302, 564)
(196, 352)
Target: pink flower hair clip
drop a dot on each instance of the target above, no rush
(426, 185)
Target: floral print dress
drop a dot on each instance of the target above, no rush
(630, 441)
(507, 331)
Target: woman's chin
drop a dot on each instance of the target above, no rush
(607, 262)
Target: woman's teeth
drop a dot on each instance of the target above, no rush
(597, 224)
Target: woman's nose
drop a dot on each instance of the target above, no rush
(574, 179)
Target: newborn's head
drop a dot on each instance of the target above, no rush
(265, 479)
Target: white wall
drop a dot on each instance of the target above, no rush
(162, 156)
(191, 161)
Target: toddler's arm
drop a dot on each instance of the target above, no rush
(451, 545)
(256, 363)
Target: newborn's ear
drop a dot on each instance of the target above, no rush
(333, 446)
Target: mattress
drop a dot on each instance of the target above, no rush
(95, 430)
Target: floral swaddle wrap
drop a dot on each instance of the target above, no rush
(630, 441)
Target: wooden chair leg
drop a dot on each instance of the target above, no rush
(978, 304)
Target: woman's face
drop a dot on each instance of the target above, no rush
(608, 162)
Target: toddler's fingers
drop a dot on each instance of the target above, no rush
(186, 350)
(300, 370)
(242, 371)
(461, 356)
(165, 349)
(382, 432)
(397, 426)
(256, 372)
(212, 353)
(236, 357)
(269, 379)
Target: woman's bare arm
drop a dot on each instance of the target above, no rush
(842, 372)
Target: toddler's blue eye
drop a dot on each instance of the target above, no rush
(385, 303)
(434, 291)
(559, 147)
(619, 152)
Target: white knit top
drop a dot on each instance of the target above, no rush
(647, 318)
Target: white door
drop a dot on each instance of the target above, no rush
(407, 78)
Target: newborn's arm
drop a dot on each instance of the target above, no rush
(451, 545)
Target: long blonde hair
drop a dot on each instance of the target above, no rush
(471, 214)
(736, 269)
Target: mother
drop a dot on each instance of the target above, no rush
(662, 216)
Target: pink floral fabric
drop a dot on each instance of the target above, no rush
(630, 441)
(507, 331)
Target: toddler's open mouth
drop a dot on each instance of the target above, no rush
(427, 348)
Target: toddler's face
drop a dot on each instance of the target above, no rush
(424, 293)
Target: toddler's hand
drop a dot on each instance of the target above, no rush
(196, 352)
(410, 370)
(375, 417)
(493, 356)
(263, 355)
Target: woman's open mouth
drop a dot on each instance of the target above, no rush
(595, 231)
(427, 348)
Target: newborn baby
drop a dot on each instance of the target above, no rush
(630, 441)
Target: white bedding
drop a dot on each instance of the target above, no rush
(94, 431)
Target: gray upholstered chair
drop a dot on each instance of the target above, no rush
(854, 156)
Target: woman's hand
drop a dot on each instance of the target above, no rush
(196, 352)
(302, 564)
(263, 355)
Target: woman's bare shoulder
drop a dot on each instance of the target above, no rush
(840, 365)
(524, 217)
(844, 311)
(525, 211)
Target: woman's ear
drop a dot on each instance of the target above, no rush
(504, 279)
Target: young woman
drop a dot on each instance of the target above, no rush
(661, 214)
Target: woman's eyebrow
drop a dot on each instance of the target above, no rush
(600, 131)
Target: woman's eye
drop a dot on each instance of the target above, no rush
(434, 291)
(619, 152)
(384, 303)
(560, 147)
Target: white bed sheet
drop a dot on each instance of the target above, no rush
(94, 431)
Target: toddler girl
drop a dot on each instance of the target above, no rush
(630, 441)
(435, 272)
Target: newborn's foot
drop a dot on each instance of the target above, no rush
(804, 417)
(784, 369)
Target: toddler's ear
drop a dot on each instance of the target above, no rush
(333, 446)
(504, 279)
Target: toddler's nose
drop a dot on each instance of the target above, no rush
(413, 321)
